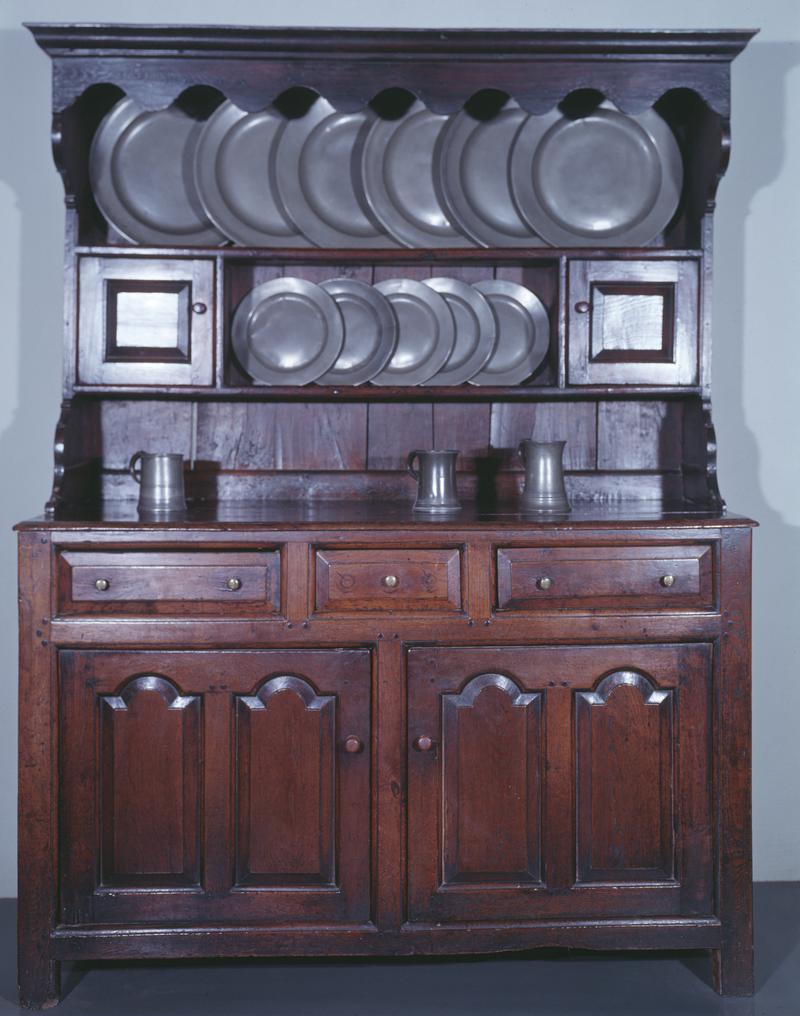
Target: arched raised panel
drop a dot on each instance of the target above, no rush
(625, 780)
(149, 786)
(285, 762)
(491, 783)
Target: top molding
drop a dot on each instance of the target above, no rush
(253, 65)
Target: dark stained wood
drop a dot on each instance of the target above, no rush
(384, 737)
(396, 580)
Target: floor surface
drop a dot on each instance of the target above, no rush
(536, 984)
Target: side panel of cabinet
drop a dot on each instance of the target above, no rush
(145, 322)
(633, 322)
(547, 782)
(215, 786)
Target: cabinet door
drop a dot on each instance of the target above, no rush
(559, 782)
(633, 322)
(215, 786)
(146, 322)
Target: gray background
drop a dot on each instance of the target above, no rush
(756, 336)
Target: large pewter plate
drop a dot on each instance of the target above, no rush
(370, 332)
(604, 179)
(474, 182)
(233, 176)
(287, 332)
(425, 333)
(398, 169)
(140, 167)
(523, 333)
(314, 173)
(476, 331)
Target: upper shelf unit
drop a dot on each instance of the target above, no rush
(390, 140)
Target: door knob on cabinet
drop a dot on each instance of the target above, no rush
(101, 585)
(234, 584)
(199, 308)
(353, 745)
(582, 307)
(667, 580)
(423, 743)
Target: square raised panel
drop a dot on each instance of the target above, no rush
(145, 322)
(633, 322)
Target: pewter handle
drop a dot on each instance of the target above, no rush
(132, 466)
(411, 456)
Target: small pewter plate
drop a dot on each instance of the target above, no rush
(425, 332)
(398, 159)
(476, 331)
(314, 165)
(523, 333)
(370, 332)
(473, 178)
(232, 175)
(140, 167)
(604, 179)
(287, 332)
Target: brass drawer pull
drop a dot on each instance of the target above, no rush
(667, 581)
(544, 582)
(353, 745)
(423, 743)
(390, 581)
(101, 585)
(234, 584)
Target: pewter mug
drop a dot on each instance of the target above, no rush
(161, 480)
(544, 476)
(436, 478)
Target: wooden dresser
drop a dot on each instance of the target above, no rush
(236, 737)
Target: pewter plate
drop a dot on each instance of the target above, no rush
(370, 332)
(287, 332)
(398, 168)
(314, 174)
(605, 179)
(140, 167)
(523, 333)
(234, 178)
(474, 182)
(476, 331)
(425, 332)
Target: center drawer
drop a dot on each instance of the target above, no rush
(169, 582)
(392, 579)
(612, 577)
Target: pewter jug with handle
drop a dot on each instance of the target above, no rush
(160, 477)
(544, 476)
(436, 478)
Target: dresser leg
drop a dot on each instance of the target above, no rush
(39, 982)
(732, 970)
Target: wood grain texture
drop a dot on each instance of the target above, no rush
(574, 422)
(639, 435)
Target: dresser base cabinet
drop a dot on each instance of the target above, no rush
(385, 784)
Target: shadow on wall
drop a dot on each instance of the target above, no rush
(758, 155)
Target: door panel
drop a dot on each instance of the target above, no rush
(568, 781)
(215, 786)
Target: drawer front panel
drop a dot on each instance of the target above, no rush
(374, 580)
(531, 578)
(138, 582)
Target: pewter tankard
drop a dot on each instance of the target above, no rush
(161, 480)
(437, 481)
(544, 476)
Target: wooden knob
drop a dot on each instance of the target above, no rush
(582, 307)
(234, 584)
(353, 745)
(667, 580)
(390, 581)
(101, 585)
(544, 582)
(199, 308)
(423, 743)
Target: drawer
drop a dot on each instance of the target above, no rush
(530, 578)
(169, 582)
(396, 579)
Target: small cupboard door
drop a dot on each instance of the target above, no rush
(215, 786)
(559, 782)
